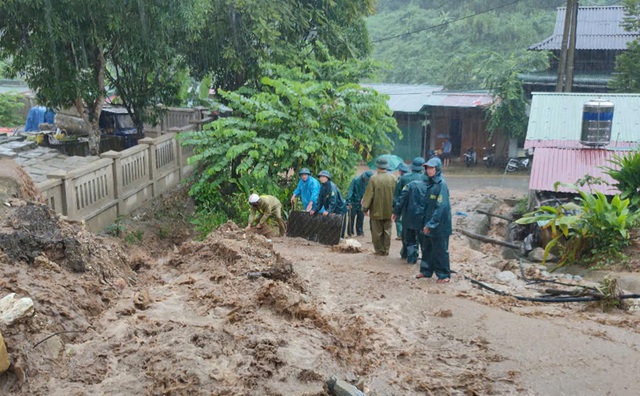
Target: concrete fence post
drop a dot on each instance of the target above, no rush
(116, 157)
(69, 208)
(151, 146)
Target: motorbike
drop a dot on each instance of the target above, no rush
(489, 158)
(470, 157)
(515, 164)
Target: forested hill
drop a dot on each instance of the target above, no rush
(460, 43)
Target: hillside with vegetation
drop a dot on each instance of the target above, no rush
(462, 44)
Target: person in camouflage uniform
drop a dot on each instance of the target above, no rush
(262, 208)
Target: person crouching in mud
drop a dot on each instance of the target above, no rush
(265, 206)
(437, 225)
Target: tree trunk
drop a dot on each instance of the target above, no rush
(91, 111)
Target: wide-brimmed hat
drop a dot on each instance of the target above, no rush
(403, 167)
(417, 163)
(253, 198)
(325, 174)
(433, 162)
(304, 171)
(382, 163)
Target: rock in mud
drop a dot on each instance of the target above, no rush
(4, 356)
(339, 387)
(537, 255)
(142, 300)
(13, 310)
(507, 276)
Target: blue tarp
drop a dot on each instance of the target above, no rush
(38, 115)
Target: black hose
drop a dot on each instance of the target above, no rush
(544, 299)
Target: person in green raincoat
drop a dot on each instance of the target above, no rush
(437, 225)
(354, 196)
(403, 181)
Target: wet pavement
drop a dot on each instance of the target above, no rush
(39, 161)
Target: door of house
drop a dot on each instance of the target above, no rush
(455, 136)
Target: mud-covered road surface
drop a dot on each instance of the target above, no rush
(174, 316)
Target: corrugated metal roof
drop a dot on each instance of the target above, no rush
(551, 165)
(598, 28)
(579, 80)
(405, 98)
(558, 116)
(460, 99)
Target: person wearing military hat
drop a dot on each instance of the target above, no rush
(437, 225)
(262, 208)
(403, 181)
(308, 189)
(354, 197)
(378, 203)
(330, 200)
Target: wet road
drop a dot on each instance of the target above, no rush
(518, 182)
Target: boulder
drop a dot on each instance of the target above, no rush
(339, 387)
(13, 310)
(537, 255)
(4, 356)
(507, 276)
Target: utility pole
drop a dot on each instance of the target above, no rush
(572, 47)
(565, 67)
(563, 50)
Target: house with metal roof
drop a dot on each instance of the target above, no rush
(427, 115)
(600, 38)
(554, 137)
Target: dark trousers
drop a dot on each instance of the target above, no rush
(411, 242)
(356, 220)
(435, 257)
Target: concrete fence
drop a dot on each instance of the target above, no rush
(119, 182)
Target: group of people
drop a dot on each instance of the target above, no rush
(418, 202)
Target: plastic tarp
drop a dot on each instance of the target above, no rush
(38, 115)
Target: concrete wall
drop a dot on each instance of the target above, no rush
(118, 182)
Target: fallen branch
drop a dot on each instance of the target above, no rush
(58, 333)
(494, 215)
(486, 239)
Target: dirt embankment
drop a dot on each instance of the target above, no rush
(167, 315)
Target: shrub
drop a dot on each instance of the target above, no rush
(9, 107)
(596, 225)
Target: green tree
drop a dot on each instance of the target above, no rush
(627, 72)
(237, 37)
(9, 106)
(508, 112)
(69, 50)
(311, 116)
(443, 42)
(59, 48)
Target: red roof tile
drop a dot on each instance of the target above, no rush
(567, 165)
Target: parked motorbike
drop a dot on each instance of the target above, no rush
(515, 164)
(470, 157)
(489, 158)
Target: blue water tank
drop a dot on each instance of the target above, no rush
(597, 119)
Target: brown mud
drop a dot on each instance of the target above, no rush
(164, 314)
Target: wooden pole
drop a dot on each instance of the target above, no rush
(572, 47)
(563, 50)
(486, 239)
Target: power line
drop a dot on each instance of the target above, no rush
(446, 23)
